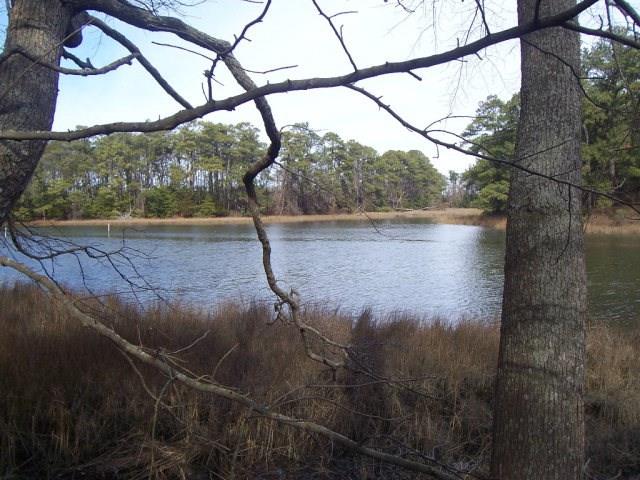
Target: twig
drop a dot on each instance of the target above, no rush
(337, 33)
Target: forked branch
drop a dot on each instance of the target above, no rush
(85, 71)
(129, 45)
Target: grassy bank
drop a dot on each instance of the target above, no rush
(449, 215)
(619, 222)
(73, 406)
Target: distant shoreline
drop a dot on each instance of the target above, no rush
(599, 222)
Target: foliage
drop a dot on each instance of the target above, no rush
(493, 133)
(611, 132)
(197, 170)
(611, 152)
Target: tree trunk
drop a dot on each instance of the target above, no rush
(539, 418)
(28, 91)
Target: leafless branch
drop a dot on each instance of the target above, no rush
(596, 32)
(271, 70)
(337, 33)
(129, 45)
(41, 247)
(401, 4)
(81, 63)
(222, 359)
(228, 51)
(629, 10)
(245, 30)
(184, 49)
(192, 344)
(254, 93)
(84, 72)
(480, 7)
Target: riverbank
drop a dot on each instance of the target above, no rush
(448, 215)
(73, 406)
(600, 222)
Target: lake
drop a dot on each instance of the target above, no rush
(452, 271)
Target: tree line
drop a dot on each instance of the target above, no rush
(610, 134)
(196, 170)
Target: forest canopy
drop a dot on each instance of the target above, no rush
(610, 132)
(197, 170)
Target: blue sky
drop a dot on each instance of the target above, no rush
(294, 34)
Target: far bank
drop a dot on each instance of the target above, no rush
(618, 222)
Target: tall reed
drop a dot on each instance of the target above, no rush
(72, 405)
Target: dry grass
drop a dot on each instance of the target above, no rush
(612, 222)
(448, 215)
(72, 405)
(620, 221)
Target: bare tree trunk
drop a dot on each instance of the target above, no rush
(539, 418)
(28, 91)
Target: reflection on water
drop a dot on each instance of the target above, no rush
(448, 270)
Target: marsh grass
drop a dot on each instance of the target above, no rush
(618, 221)
(73, 407)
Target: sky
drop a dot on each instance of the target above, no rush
(293, 33)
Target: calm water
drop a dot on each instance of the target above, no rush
(449, 270)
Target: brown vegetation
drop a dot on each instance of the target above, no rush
(72, 405)
(617, 222)
(471, 216)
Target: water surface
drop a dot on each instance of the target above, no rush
(453, 271)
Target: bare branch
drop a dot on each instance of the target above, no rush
(256, 93)
(192, 344)
(183, 49)
(337, 33)
(81, 63)
(596, 32)
(126, 43)
(629, 10)
(84, 72)
(41, 247)
(243, 34)
(480, 6)
(271, 70)
(228, 52)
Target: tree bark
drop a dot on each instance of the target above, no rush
(539, 417)
(28, 91)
